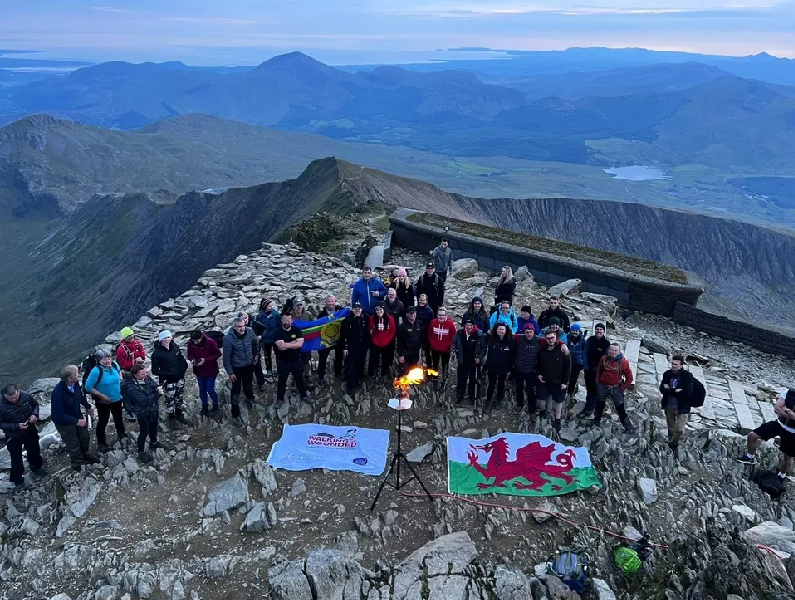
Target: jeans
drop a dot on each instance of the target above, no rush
(285, 369)
(444, 359)
(526, 389)
(575, 375)
(147, 424)
(77, 442)
(323, 360)
(173, 389)
(29, 440)
(207, 387)
(496, 380)
(104, 411)
(467, 380)
(616, 394)
(383, 356)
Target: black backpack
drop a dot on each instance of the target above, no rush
(217, 337)
(698, 395)
(88, 364)
(770, 483)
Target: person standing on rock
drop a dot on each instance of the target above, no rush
(506, 316)
(271, 320)
(203, 354)
(441, 334)
(524, 373)
(404, 288)
(676, 388)
(258, 330)
(576, 344)
(506, 287)
(329, 309)
(382, 337)
(368, 291)
(501, 353)
(355, 343)
(430, 284)
(170, 366)
(526, 316)
(104, 386)
(130, 351)
(554, 327)
(442, 259)
(19, 413)
(424, 317)
(477, 314)
(783, 428)
(142, 394)
(613, 378)
(289, 341)
(469, 346)
(554, 311)
(65, 401)
(393, 306)
(240, 354)
(410, 342)
(595, 349)
(553, 369)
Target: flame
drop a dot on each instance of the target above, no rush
(415, 376)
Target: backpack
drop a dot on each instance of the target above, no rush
(217, 337)
(571, 567)
(626, 559)
(770, 483)
(699, 394)
(88, 364)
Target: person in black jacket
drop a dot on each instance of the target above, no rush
(524, 373)
(596, 347)
(501, 349)
(553, 369)
(469, 347)
(554, 310)
(355, 342)
(328, 310)
(289, 341)
(141, 393)
(506, 287)
(676, 388)
(411, 342)
(169, 366)
(432, 286)
(19, 413)
(404, 288)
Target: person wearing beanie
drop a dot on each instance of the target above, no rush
(404, 288)
(203, 354)
(170, 366)
(554, 327)
(525, 317)
(130, 352)
(270, 320)
(554, 310)
(470, 350)
(595, 348)
(576, 344)
(477, 313)
(783, 427)
(613, 378)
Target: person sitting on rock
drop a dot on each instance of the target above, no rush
(506, 287)
(505, 315)
(170, 366)
(142, 394)
(554, 327)
(289, 341)
(553, 369)
(783, 427)
(104, 386)
(432, 286)
(424, 317)
(383, 331)
(203, 354)
(501, 353)
(470, 350)
(356, 343)
(613, 378)
(554, 311)
(576, 344)
(329, 309)
(393, 306)
(441, 334)
(258, 330)
(595, 348)
(676, 388)
(270, 320)
(442, 257)
(526, 316)
(410, 342)
(368, 291)
(404, 288)
(477, 313)
(240, 354)
(19, 413)
(65, 401)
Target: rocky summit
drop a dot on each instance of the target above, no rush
(209, 518)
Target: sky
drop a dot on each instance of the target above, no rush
(378, 31)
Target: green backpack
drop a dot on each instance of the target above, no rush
(627, 559)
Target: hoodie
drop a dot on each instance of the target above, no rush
(614, 372)
(441, 335)
(382, 331)
(509, 320)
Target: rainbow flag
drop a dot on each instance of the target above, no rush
(322, 333)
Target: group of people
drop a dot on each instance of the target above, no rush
(397, 324)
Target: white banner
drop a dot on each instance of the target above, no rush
(314, 446)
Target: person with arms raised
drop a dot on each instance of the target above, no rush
(203, 354)
(65, 401)
(19, 413)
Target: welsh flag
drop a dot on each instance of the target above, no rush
(517, 464)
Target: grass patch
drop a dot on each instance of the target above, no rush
(639, 266)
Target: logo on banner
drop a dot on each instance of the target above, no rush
(347, 441)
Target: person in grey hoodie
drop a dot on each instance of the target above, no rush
(442, 259)
(240, 355)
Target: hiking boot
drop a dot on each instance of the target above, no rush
(205, 412)
(747, 460)
(321, 381)
(40, 472)
(164, 445)
(214, 412)
(556, 425)
(91, 459)
(144, 457)
(103, 447)
(25, 485)
(675, 450)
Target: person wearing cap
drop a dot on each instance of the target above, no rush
(430, 284)
(170, 366)
(676, 388)
(526, 316)
(355, 340)
(368, 291)
(289, 342)
(501, 353)
(104, 385)
(410, 341)
(553, 369)
(596, 347)
(505, 315)
(469, 346)
(524, 372)
(270, 319)
(203, 354)
(441, 334)
(554, 310)
(403, 287)
(240, 353)
(19, 413)
(783, 428)
(329, 309)
(576, 344)
(477, 314)
(382, 336)
(442, 259)
(554, 327)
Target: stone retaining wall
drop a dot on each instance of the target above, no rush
(633, 291)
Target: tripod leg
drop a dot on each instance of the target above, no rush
(383, 481)
(417, 477)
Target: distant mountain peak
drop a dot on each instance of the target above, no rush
(293, 60)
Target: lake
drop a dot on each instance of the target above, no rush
(637, 173)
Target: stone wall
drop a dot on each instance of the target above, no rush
(766, 340)
(633, 291)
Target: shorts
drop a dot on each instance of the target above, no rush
(771, 429)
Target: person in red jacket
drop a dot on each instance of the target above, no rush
(130, 351)
(203, 354)
(441, 335)
(382, 333)
(613, 378)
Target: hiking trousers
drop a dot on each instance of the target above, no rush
(525, 390)
(286, 368)
(496, 381)
(173, 390)
(147, 427)
(676, 425)
(77, 442)
(104, 412)
(29, 441)
(444, 359)
(354, 372)
(380, 356)
(575, 375)
(590, 389)
(322, 361)
(616, 394)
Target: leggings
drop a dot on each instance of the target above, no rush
(104, 411)
(267, 349)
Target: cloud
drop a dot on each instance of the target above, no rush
(111, 9)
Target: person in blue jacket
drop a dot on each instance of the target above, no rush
(576, 344)
(505, 315)
(65, 402)
(554, 325)
(525, 317)
(368, 291)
